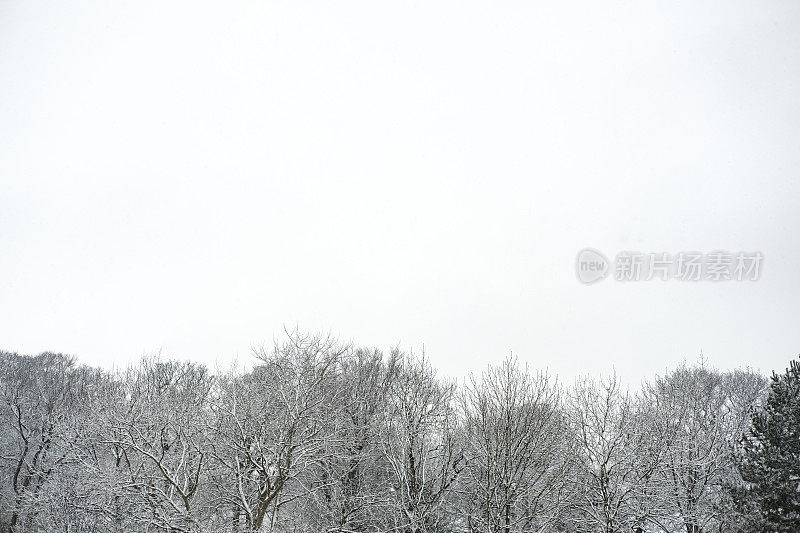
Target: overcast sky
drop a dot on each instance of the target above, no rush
(190, 177)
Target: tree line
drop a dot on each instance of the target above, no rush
(321, 436)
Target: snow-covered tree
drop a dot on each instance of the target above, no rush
(517, 451)
(769, 461)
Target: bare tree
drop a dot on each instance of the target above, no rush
(353, 478)
(705, 413)
(42, 400)
(271, 427)
(617, 454)
(422, 447)
(81, 492)
(517, 453)
(159, 443)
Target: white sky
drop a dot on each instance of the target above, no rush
(189, 177)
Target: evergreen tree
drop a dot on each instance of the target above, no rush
(769, 459)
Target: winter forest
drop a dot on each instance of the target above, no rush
(321, 436)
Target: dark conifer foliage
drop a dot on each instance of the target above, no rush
(769, 461)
